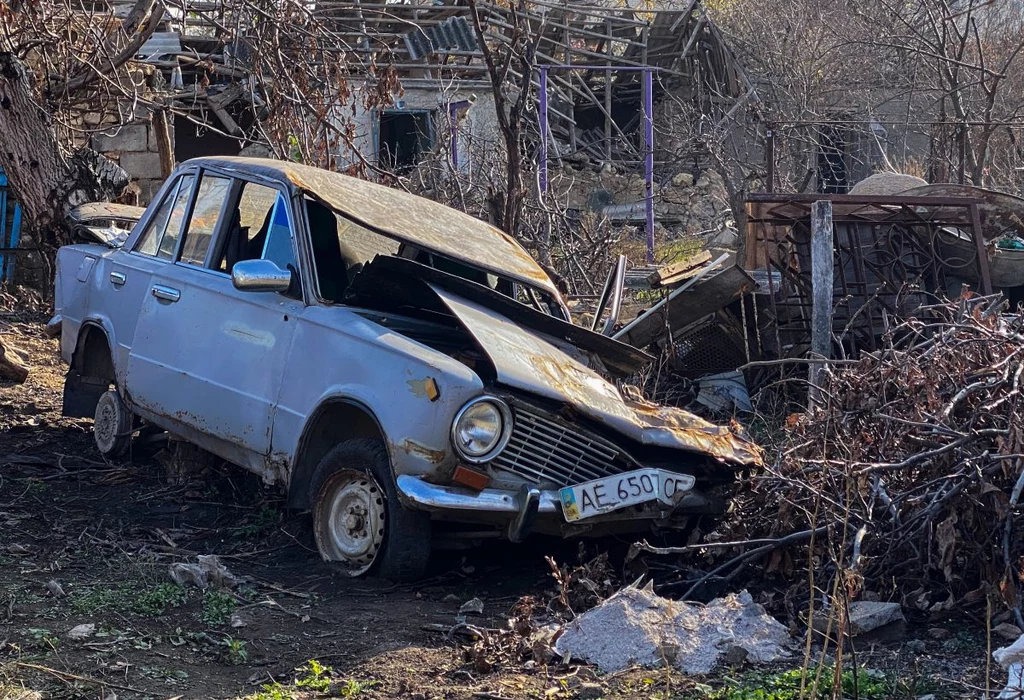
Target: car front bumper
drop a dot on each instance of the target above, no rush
(518, 509)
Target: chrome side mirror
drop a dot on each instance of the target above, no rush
(260, 276)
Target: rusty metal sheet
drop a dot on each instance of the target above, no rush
(526, 361)
(686, 305)
(403, 216)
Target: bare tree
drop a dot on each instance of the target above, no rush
(54, 59)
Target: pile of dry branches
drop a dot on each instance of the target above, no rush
(907, 483)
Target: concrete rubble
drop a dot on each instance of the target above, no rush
(637, 627)
(207, 572)
(1011, 658)
(867, 616)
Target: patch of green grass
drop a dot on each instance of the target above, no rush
(159, 598)
(266, 518)
(90, 601)
(351, 688)
(271, 691)
(43, 638)
(217, 608)
(317, 677)
(870, 685)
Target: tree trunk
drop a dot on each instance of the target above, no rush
(46, 180)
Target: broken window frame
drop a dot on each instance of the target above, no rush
(426, 142)
(218, 224)
(171, 197)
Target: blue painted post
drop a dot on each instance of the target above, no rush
(15, 237)
(543, 129)
(5, 258)
(648, 89)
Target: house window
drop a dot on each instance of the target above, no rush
(403, 138)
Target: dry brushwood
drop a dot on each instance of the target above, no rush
(909, 479)
(533, 624)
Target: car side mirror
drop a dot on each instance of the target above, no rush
(260, 276)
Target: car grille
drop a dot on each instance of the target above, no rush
(543, 450)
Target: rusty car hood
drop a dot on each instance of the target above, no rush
(524, 360)
(404, 217)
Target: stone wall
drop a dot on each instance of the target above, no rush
(134, 147)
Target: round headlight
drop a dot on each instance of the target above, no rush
(481, 429)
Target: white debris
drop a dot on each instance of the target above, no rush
(80, 632)
(637, 627)
(207, 572)
(1011, 658)
(473, 605)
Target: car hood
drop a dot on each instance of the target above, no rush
(547, 368)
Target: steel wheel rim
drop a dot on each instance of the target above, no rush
(354, 520)
(105, 425)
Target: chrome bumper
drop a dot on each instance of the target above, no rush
(419, 494)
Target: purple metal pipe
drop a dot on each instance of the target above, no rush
(543, 115)
(649, 159)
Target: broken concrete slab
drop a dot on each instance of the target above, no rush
(80, 632)
(866, 616)
(637, 627)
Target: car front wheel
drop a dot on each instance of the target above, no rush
(358, 520)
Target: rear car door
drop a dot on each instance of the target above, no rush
(208, 358)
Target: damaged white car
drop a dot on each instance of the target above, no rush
(407, 372)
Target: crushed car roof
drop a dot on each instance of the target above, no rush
(403, 216)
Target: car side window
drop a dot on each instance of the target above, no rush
(213, 193)
(162, 232)
(260, 228)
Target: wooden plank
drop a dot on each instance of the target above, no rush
(676, 272)
(822, 289)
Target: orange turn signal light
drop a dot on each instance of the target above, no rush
(470, 478)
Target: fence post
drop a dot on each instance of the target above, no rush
(822, 272)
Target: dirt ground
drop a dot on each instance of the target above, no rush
(89, 542)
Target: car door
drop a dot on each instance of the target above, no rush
(208, 358)
(127, 276)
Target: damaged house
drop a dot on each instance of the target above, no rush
(594, 61)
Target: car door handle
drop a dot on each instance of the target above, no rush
(117, 278)
(165, 293)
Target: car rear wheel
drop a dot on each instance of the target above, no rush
(358, 520)
(112, 425)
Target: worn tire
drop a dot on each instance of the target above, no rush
(362, 467)
(112, 425)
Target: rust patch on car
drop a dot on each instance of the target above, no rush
(411, 447)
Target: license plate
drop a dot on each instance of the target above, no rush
(629, 489)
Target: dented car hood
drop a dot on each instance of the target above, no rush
(526, 361)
